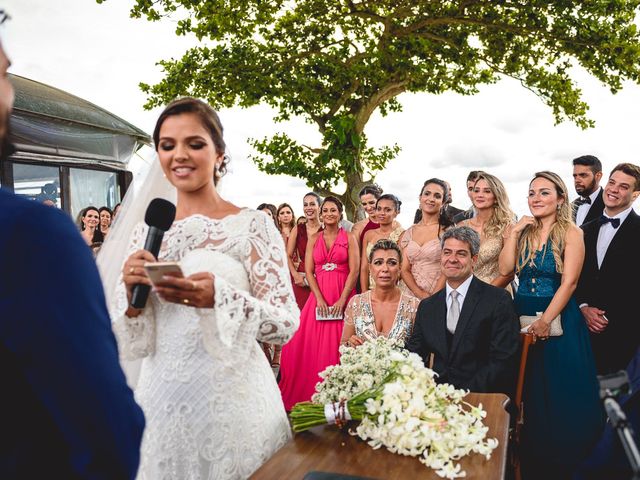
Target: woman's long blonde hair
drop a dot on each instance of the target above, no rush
(502, 215)
(528, 239)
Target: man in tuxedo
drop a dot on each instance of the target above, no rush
(470, 327)
(65, 408)
(587, 172)
(607, 289)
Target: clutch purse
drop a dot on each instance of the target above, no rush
(527, 320)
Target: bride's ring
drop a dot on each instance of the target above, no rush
(185, 301)
(193, 285)
(131, 270)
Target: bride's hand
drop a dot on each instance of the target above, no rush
(133, 271)
(196, 290)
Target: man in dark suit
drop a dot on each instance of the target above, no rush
(65, 408)
(587, 172)
(607, 290)
(470, 327)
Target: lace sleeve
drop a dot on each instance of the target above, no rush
(350, 311)
(136, 336)
(268, 311)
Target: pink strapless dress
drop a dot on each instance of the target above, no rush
(315, 345)
(424, 260)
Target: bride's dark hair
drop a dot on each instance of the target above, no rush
(210, 121)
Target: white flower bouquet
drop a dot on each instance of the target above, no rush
(399, 406)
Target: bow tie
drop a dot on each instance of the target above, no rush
(582, 201)
(615, 222)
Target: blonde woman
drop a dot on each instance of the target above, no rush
(563, 413)
(493, 216)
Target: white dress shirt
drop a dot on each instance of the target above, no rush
(606, 234)
(462, 293)
(583, 209)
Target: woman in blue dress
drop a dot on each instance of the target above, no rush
(562, 413)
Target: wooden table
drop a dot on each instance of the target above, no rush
(328, 449)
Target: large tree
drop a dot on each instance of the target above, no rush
(334, 62)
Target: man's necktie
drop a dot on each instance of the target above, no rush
(454, 312)
(583, 200)
(615, 222)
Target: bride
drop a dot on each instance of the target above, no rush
(211, 403)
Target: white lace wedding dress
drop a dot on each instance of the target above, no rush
(212, 405)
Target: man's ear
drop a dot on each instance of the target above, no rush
(598, 176)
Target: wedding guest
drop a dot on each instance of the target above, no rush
(66, 411)
(212, 404)
(387, 209)
(89, 223)
(270, 210)
(286, 220)
(297, 246)
(420, 243)
(450, 210)
(547, 251)
(301, 219)
(469, 327)
(587, 172)
(369, 195)
(493, 216)
(607, 288)
(471, 181)
(115, 212)
(332, 267)
(105, 220)
(384, 310)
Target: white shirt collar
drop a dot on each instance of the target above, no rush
(594, 195)
(622, 215)
(462, 289)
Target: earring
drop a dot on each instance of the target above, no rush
(558, 207)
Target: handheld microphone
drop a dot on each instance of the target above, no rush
(159, 216)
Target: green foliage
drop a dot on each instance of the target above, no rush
(334, 62)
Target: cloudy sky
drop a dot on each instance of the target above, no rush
(98, 53)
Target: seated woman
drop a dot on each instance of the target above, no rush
(384, 310)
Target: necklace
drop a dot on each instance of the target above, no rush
(429, 224)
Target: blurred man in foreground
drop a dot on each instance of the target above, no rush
(65, 408)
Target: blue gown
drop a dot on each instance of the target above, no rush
(563, 416)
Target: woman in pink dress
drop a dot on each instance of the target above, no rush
(420, 243)
(332, 268)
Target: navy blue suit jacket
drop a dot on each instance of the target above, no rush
(65, 408)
